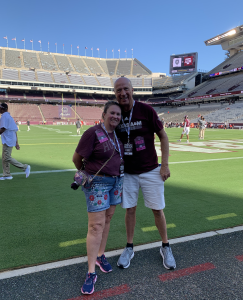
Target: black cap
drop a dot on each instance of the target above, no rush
(4, 106)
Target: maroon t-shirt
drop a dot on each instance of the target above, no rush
(96, 148)
(144, 123)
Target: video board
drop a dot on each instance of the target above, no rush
(183, 63)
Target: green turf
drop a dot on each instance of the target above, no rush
(39, 213)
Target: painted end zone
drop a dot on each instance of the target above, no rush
(186, 272)
(118, 290)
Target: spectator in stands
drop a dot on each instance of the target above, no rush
(100, 150)
(202, 126)
(28, 124)
(186, 129)
(136, 131)
(17, 124)
(8, 131)
(78, 125)
(225, 125)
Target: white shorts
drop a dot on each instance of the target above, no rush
(186, 130)
(152, 187)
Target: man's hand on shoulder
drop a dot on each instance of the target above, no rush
(164, 172)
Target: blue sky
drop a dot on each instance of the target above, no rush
(154, 29)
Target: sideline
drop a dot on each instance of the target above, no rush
(73, 261)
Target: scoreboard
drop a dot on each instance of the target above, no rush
(183, 63)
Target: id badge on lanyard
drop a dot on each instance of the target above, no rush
(128, 148)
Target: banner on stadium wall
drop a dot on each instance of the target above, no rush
(64, 111)
(211, 96)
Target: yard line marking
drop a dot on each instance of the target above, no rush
(187, 271)
(205, 160)
(224, 216)
(153, 228)
(71, 243)
(239, 257)
(118, 290)
(79, 260)
(171, 163)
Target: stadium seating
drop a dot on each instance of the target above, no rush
(136, 81)
(104, 81)
(111, 66)
(44, 77)
(12, 59)
(63, 63)
(94, 67)
(76, 79)
(103, 65)
(30, 60)
(60, 77)
(10, 74)
(89, 113)
(79, 65)
(1, 57)
(24, 112)
(124, 67)
(51, 112)
(90, 80)
(47, 62)
(27, 75)
(139, 68)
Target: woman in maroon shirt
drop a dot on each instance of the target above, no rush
(101, 150)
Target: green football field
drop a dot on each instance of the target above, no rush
(42, 219)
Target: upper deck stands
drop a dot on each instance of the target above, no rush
(103, 65)
(235, 61)
(90, 80)
(47, 62)
(165, 82)
(94, 67)
(12, 59)
(63, 63)
(0, 57)
(79, 65)
(44, 77)
(104, 81)
(60, 77)
(111, 66)
(124, 67)
(30, 60)
(76, 79)
(139, 69)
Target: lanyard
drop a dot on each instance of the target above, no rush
(130, 118)
(118, 145)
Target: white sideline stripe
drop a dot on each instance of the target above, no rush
(73, 261)
(171, 163)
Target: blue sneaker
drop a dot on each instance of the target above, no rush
(103, 264)
(88, 286)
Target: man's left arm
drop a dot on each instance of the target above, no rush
(164, 144)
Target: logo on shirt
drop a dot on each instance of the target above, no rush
(133, 126)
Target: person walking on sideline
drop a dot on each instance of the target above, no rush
(8, 131)
(78, 125)
(138, 124)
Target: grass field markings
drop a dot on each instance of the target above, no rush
(72, 243)
(44, 172)
(47, 144)
(153, 228)
(204, 160)
(224, 216)
(84, 259)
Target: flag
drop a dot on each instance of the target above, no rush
(55, 43)
(5, 37)
(119, 50)
(14, 39)
(39, 41)
(23, 40)
(112, 50)
(71, 45)
(77, 47)
(63, 45)
(85, 48)
(92, 48)
(31, 41)
(98, 49)
(48, 43)
(132, 49)
(125, 50)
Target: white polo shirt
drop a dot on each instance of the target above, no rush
(9, 135)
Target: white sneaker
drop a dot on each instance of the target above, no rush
(178, 140)
(187, 142)
(27, 171)
(6, 177)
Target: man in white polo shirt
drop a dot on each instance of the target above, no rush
(8, 132)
